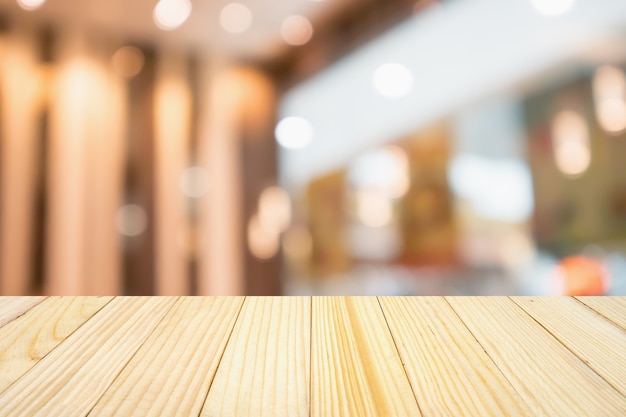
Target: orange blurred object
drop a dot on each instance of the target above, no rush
(583, 276)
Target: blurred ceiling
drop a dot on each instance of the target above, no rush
(133, 20)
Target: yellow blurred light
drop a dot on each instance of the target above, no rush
(236, 18)
(373, 208)
(131, 220)
(274, 210)
(570, 138)
(609, 90)
(294, 132)
(298, 244)
(296, 30)
(393, 80)
(262, 243)
(128, 61)
(170, 14)
(553, 7)
(612, 115)
(30, 4)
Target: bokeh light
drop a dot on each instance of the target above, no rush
(393, 80)
(609, 91)
(30, 4)
(294, 132)
(553, 7)
(194, 182)
(262, 243)
(131, 220)
(171, 14)
(374, 208)
(236, 18)
(128, 61)
(570, 139)
(296, 30)
(274, 210)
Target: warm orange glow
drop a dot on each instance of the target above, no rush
(582, 276)
(262, 243)
(128, 61)
(274, 210)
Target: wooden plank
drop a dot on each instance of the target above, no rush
(548, 376)
(595, 340)
(26, 340)
(170, 375)
(266, 365)
(613, 308)
(71, 378)
(355, 367)
(13, 307)
(449, 371)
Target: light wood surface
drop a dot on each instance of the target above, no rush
(320, 356)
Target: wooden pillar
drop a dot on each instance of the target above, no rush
(20, 100)
(172, 127)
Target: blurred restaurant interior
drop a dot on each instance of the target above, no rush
(325, 147)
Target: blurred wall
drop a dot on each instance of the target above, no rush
(122, 168)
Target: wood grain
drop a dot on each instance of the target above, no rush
(13, 307)
(194, 333)
(320, 356)
(71, 378)
(613, 308)
(450, 372)
(29, 338)
(549, 377)
(355, 367)
(574, 326)
(265, 368)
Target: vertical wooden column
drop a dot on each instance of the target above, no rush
(66, 182)
(105, 155)
(20, 99)
(172, 128)
(259, 170)
(85, 168)
(139, 262)
(237, 147)
(221, 269)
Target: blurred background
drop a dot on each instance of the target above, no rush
(266, 147)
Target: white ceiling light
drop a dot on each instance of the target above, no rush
(294, 132)
(393, 80)
(553, 7)
(30, 4)
(236, 18)
(296, 30)
(170, 14)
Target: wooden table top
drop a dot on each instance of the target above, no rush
(319, 356)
